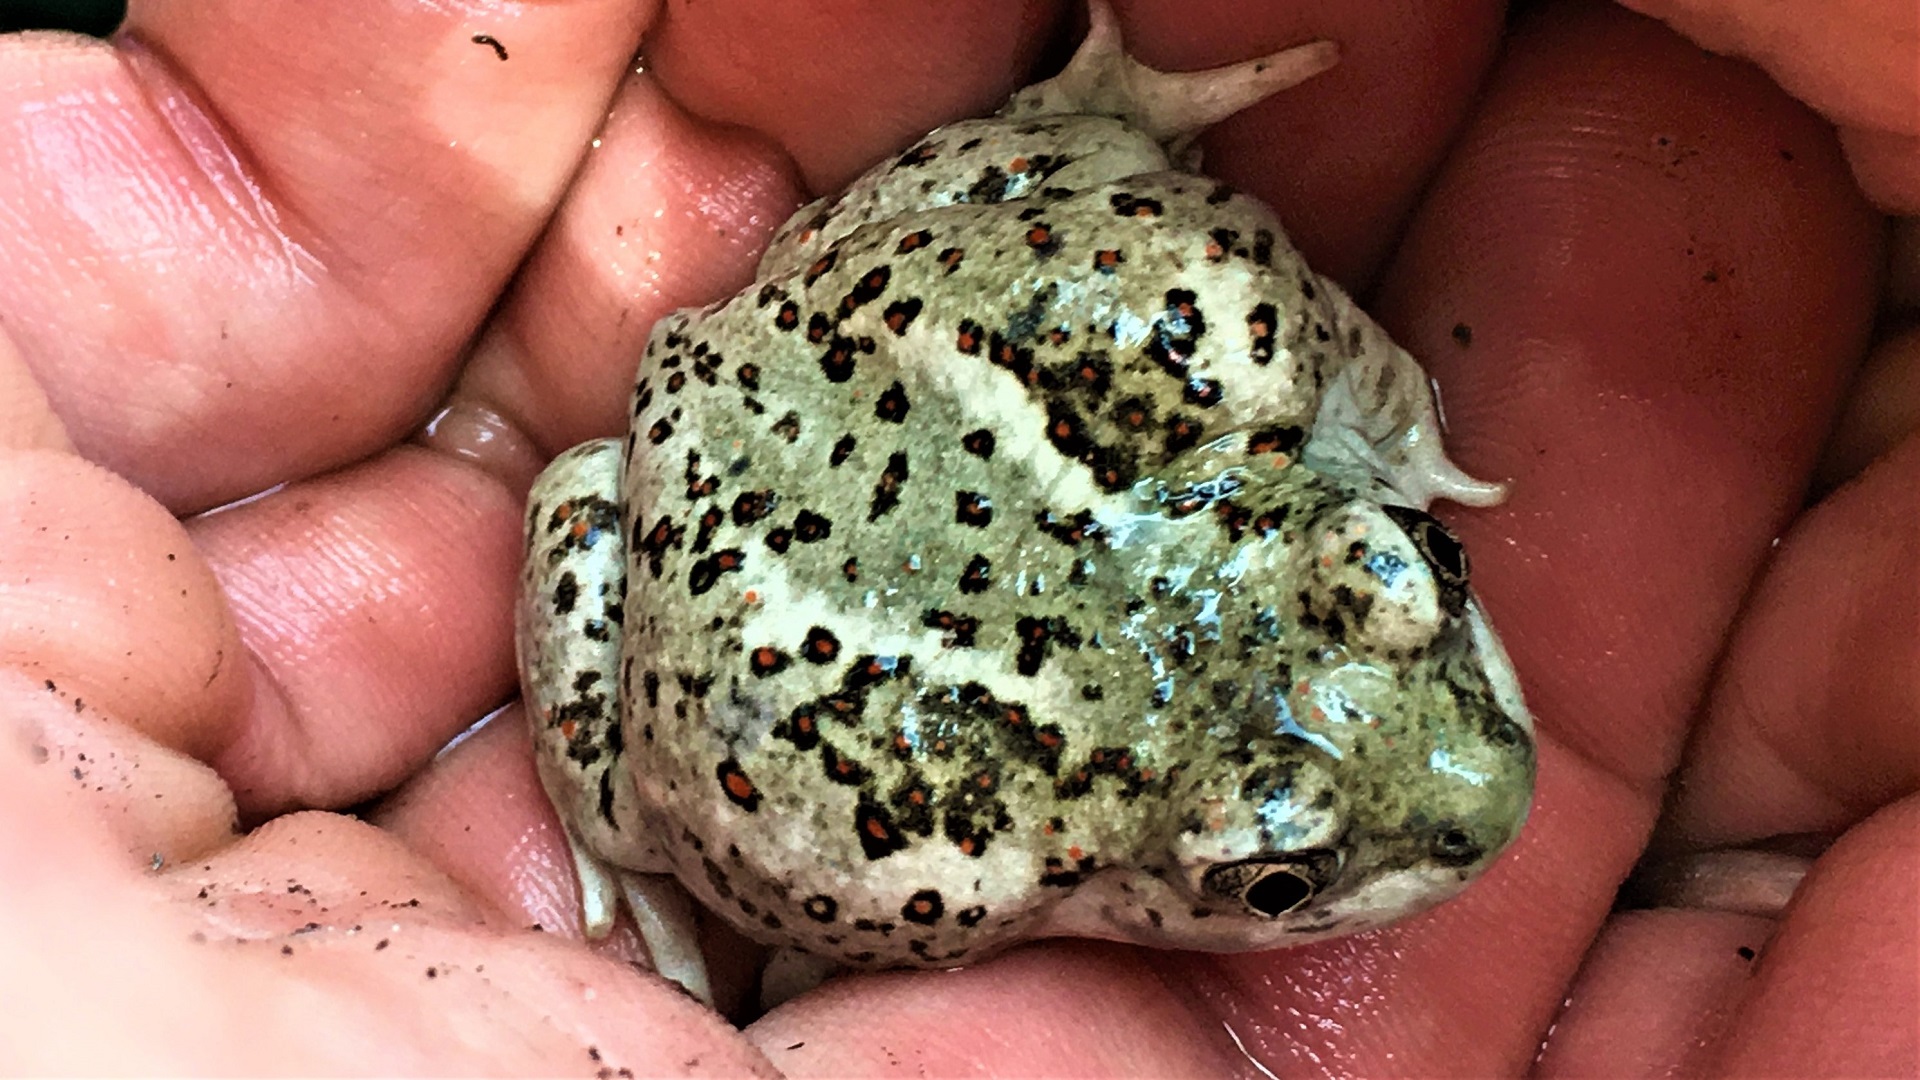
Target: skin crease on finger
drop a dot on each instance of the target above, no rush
(27, 422)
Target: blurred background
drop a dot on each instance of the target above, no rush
(97, 17)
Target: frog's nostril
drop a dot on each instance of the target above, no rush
(1455, 848)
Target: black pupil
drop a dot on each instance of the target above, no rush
(1436, 544)
(1443, 550)
(1277, 893)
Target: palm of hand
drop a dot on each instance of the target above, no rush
(1639, 276)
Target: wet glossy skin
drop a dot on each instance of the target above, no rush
(1018, 557)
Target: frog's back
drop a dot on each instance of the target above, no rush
(934, 729)
(1010, 560)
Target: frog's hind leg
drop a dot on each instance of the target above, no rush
(1172, 106)
(568, 637)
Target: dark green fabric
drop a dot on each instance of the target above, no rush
(97, 17)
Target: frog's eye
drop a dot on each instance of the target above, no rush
(1271, 886)
(1440, 549)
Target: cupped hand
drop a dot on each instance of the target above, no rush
(252, 244)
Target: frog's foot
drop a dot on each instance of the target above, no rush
(1172, 106)
(570, 611)
(567, 624)
(1418, 467)
(791, 972)
(665, 916)
(662, 911)
(1378, 425)
(1349, 440)
(599, 890)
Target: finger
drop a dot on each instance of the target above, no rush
(108, 607)
(667, 212)
(1341, 157)
(1854, 64)
(1642, 315)
(478, 813)
(118, 658)
(1810, 726)
(1882, 409)
(1654, 987)
(840, 84)
(376, 609)
(161, 807)
(282, 221)
(1829, 989)
(1837, 989)
(257, 959)
(1887, 165)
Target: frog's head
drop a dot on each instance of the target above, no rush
(1389, 760)
(1378, 760)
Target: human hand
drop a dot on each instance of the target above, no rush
(1656, 335)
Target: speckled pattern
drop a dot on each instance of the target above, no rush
(1036, 548)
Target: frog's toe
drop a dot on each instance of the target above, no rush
(1173, 107)
(1424, 473)
(664, 914)
(599, 890)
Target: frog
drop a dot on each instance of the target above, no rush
(1037, 548)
